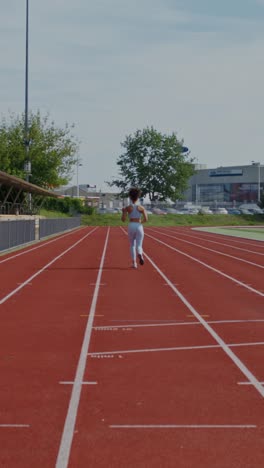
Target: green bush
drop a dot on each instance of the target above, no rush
(67, 205)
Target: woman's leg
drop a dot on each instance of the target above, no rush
(132, 242)
(139, 239)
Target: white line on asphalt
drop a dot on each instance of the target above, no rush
(146, 320)
(243, 368)
(82, 383)
(149, 325)
(5, 298)
(248, 383)
(68, 431)
(182, 426)
(18, 426)
(178, 324)
(35, 248)
(206, 248)
(178, 348)
(213, 242)
(214, 235)
(207, 266)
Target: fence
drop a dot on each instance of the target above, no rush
(17, 232)
(47, 227)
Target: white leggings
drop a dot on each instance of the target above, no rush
(136, 236)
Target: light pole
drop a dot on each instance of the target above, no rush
(78, 164)
(26, 136)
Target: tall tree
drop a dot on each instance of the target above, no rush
(53, 150)
(154, 162)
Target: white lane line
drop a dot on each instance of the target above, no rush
(206, 248)
(149, 325)
(243, 368)
(153, 350)
(4, 299)
(182, 426)
(236, 321)
(213, 242)
(248, 383)
(82, 383)
(68, 430)
(18, 426)
(136, 320)
(178, 348)
(37, 247)
(231, 238)
(206, 266)
(178, 324)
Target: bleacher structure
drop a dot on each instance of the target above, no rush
(18, 197)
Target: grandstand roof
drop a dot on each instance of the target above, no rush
(16, 182)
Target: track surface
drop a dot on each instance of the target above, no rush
(102, 365)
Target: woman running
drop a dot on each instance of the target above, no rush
(137, 215)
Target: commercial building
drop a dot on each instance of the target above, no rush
(226, 185)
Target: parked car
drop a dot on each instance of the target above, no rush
(233, 211)
(205, 211)
(172, 211)
(246, 212)
(158, 211)
(250, 208)
(221, 211)
(256, 210)
(194, 211)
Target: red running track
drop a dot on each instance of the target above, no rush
(106, 366)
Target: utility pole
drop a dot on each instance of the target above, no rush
(27, 165)
(26, 136)
(78, 164)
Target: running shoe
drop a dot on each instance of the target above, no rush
(141, 259)
(134, 265)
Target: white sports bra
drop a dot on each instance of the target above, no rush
(135, 213)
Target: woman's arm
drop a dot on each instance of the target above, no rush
(124, 214)
(145, 214)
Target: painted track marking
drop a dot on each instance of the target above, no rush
(181, 426)
(248, 383)
(82, 383)
(235, 240)
(4, 299)
(68, 430)
(178, 324)
(207, 266)
(243, 368)
(18, 426)
(210, 250)
(214, 242)
(177, 348)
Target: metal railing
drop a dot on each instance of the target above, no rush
(17, 232)
(47, 227)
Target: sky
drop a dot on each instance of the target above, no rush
(111, 67)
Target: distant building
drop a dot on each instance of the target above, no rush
(91, 197)
(226, 185)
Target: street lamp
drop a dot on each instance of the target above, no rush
(259, 166)
(26, 135)
(78, 164)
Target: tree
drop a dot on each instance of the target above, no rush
(155, 163)
(52, 151)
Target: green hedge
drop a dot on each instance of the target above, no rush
(67, 205)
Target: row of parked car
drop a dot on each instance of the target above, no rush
(245, 210)
(192, 211)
